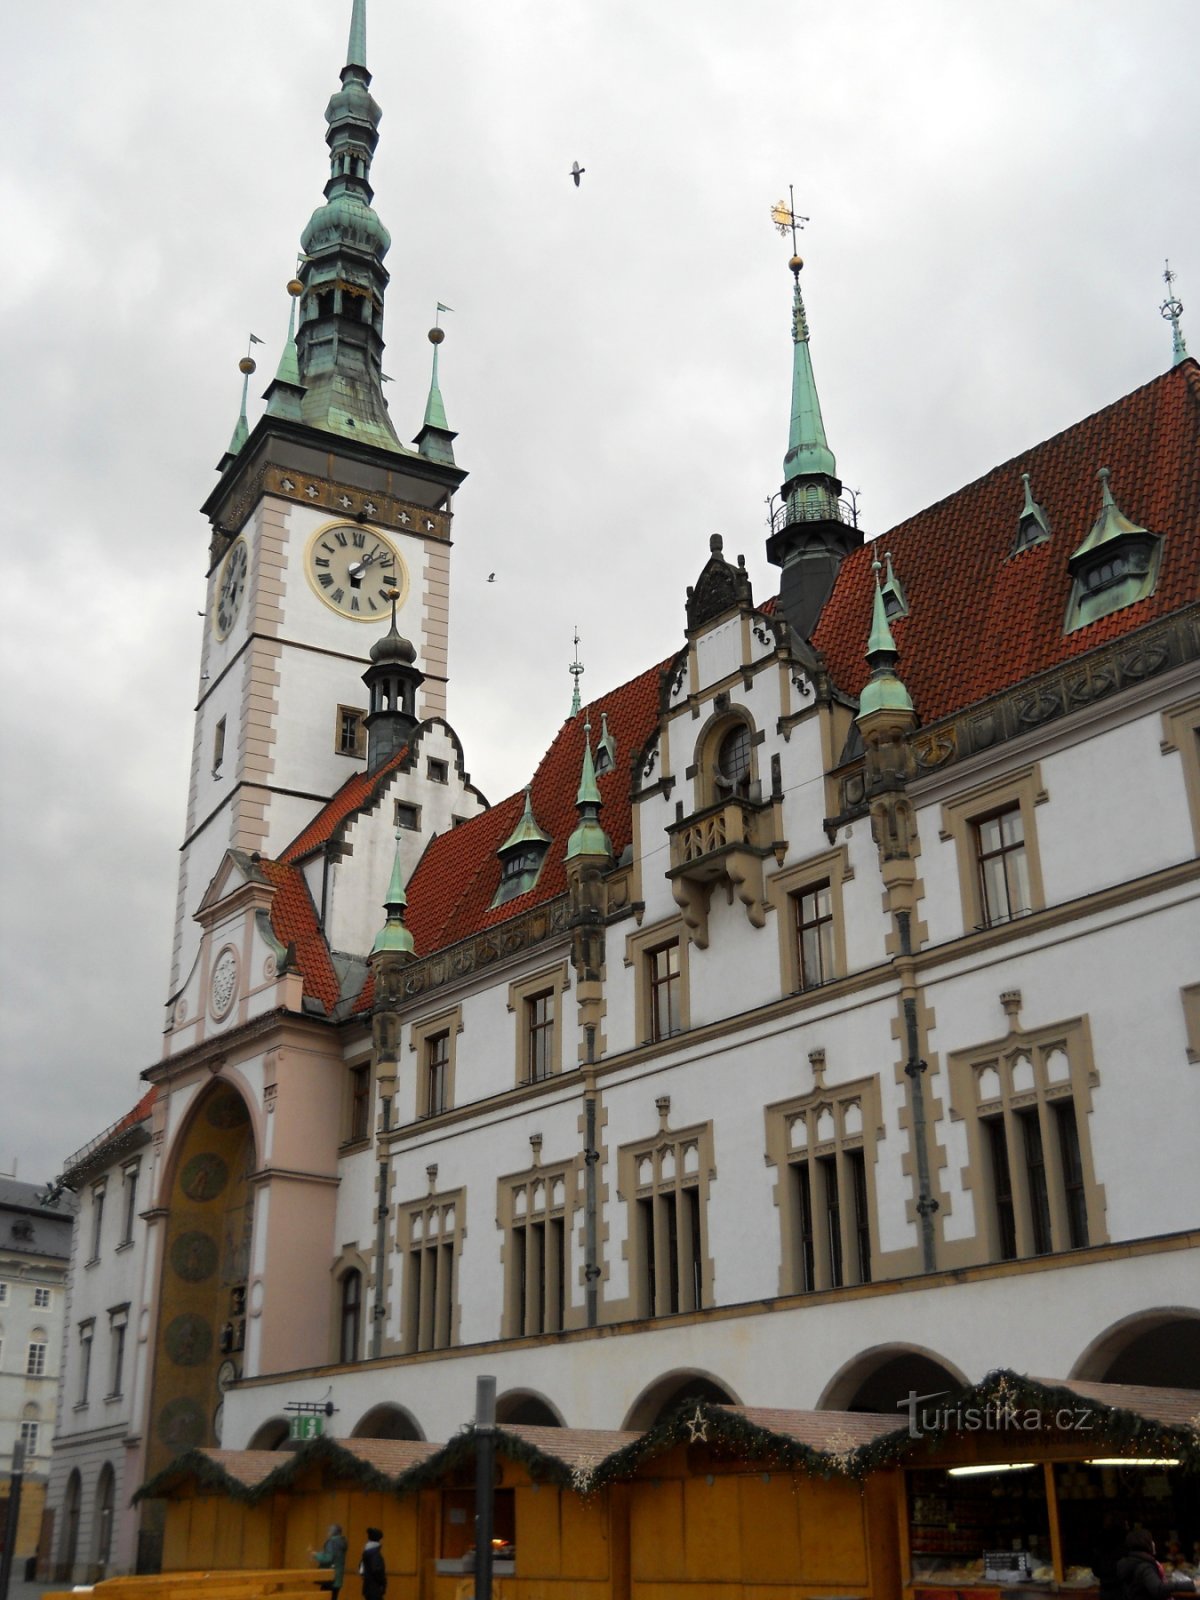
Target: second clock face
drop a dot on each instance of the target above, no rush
(230, 588)
(354, 570)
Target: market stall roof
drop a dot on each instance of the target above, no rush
(1170, 1408)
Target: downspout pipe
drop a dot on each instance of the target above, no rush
(591, 1264)
(379, 1310)
(915, 1069)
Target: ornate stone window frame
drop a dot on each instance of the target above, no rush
(522, 992)
(350, 1259)
(530, 1204)
(448, 1021)
(429, 1306)
(724, 719)
(784, 888)
(1181, 735)
(1022, 790)
(639, 947)
(662, 1171)
(352, 1137)
(831, 1122)
(1028, 1070)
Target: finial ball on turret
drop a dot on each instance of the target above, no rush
(295, 288)
(247, 365)
(436, 335)
(796, 263)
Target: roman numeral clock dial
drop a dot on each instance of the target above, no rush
(231, 586)
(354, 570)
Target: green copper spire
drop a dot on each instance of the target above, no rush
(589, 838)
(247, 366)
(339, 342)
(285, 393)
(883, 690)
(356, 51)
(1172, 309)
(526, 831)
(394, 938)
(810, 485)
(436, 439)
(1111, 524)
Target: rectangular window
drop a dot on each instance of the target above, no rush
(437, 1074)
(41, 1298)
(1035, 1174)
(663, 965)
(814, 934)
(1003, 866)
(350, 738)
(131, 1192)
(116, 1367)
(539, 1035)
(35, 1360)
(693, 1259)
(1072, 1171)
(97, 1221)
(407, 816)
(429, 1273)
(1002, 1194)
(86, 1333)
(437, 771)
(29, 1438)
(804, 1228)
(360, 1103)
(3, 1293)
(218, 745)
(831, 1201)
(648, 1245)
(857, 1169)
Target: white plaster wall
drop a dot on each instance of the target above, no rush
(767, 1358)
(867, 923)
(803, 784)
(719, 652)
(739, 969)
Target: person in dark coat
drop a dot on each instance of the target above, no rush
(372, 1568)
(1140, 1575)
(332, 1554)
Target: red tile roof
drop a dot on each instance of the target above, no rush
(982, 618)
(356, 793)
(294, 920)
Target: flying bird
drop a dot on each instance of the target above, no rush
(491, 577)
(577, 172)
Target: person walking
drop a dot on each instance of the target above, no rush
(372, 1568)
(332, 1554)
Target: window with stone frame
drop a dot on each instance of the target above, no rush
(434, 1042)
(351, 732)
(437, 1073)
(809, 910)
(664, 988)
(813, 907)
(41, 1299)
(87, 1333)
(537, 1004)
(823, 1145)
(539, 1035)
(130, 1175)
(118, 1323)
(98, 1190)
(658, 955)
(35, 1355)
(358, 1113)
(430, 1241)
(1181, 737)
(535, 1211)
(350, 1316)
(665, 1183)
(30, 1436)
(995, 839)
(1026, 1104)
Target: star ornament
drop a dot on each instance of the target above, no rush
(697, 1426)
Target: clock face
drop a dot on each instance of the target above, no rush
(354, 569)
(231, 588)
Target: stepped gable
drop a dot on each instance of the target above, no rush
(357, 793)
(983, 618)
(450, 892)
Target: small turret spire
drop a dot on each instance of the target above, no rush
(589, 838)
(247, 366)
(394, 938)
(883, 690)
(285, 393)
(436, 438)
(576, 671)
(1172, 310)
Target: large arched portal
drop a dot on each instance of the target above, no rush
(526, 1408)
(205, 1273)
(387, 1421)
(884, 1378)
(669, 1392)
(272, 1434)
(1159, 1348)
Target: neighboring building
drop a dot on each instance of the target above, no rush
(95, 1531)
(35, 1242)
(822, 1021)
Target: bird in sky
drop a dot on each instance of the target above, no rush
(491, 577)
(577, 172)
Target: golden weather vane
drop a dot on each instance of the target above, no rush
(786, 218)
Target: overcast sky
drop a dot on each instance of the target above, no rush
(992, 188)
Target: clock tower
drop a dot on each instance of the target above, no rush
(320, 517)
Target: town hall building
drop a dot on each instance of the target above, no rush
(820, 1023)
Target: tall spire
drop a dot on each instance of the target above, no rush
(589, 838)
(340, 338)
(1172, 310)
(808, 537)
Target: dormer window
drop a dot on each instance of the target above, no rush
(895, 601)
(733, 762)
(521, 856)
(1033, 526)
(606, 748)
(1114, 567)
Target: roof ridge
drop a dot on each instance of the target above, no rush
(293, 853)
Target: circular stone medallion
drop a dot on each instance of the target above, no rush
(194, 1256)
(188, 1340)
(223, 985)
(181, 1424)
(204, 1177)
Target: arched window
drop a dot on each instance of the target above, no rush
(70, 1527)
(733, 762)
(351, 1325)
(105, 1495)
